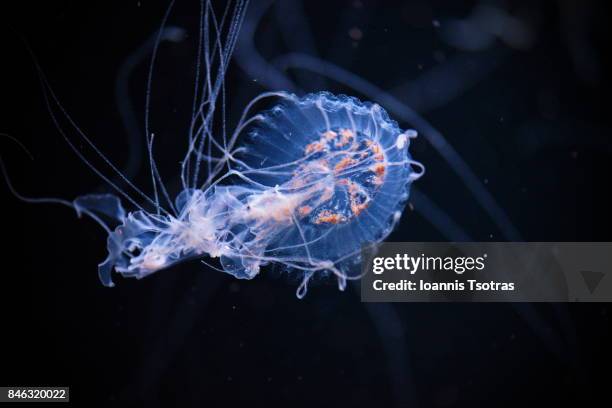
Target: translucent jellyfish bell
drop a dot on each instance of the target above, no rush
(338, 172)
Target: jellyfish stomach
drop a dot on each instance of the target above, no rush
(261, 218)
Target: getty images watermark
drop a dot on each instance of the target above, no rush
(488, 271)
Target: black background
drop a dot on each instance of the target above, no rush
(534, 127)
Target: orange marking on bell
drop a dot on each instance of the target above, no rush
(358, 208)
(344, 163)
(346, 136)
(347, 133)
(379, 169)
(304, 210)
(315, 147)
(329, 217)
(329, 135)
(343, 182)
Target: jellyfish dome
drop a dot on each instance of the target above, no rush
(341, 173)
(307, 184)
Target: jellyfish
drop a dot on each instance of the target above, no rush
(313, 180)
(303, 185)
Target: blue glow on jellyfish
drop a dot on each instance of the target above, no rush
(314, 179)
(303, 185)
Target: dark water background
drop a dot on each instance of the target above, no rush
(528, 115)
